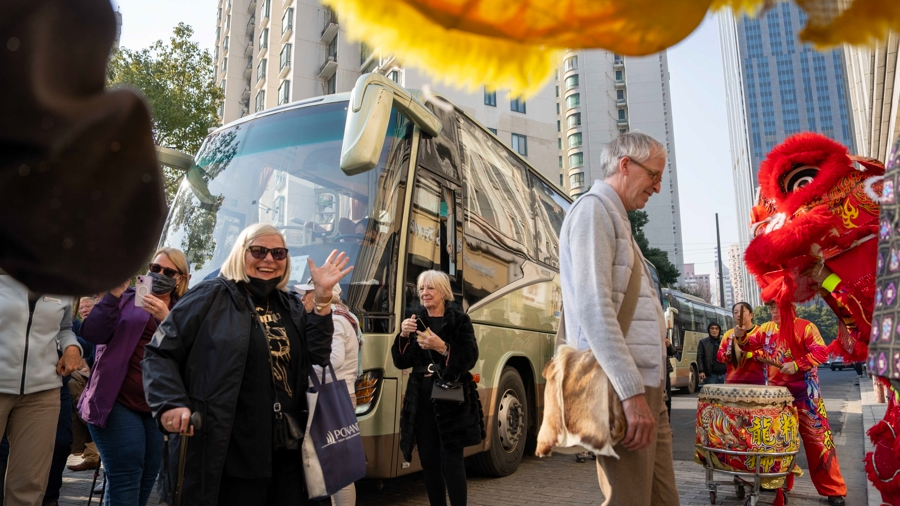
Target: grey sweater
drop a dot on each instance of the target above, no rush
(597, 256)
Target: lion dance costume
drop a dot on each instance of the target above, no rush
(816, 208)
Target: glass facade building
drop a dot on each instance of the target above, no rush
(775, 87)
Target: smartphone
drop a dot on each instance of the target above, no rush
(420, 325)
(142, 287)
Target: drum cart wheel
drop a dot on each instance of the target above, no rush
(743, 480)
(739, 488)
(711, 485)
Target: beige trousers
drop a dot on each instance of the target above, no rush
(31, 420)
(645, 477)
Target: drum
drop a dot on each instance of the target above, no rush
(747, 418)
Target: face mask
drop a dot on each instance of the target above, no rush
(262, 287)
(162, 284)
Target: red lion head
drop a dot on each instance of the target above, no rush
(815, 206)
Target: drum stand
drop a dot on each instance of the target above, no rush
(744, 478)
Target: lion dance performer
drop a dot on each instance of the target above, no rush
(815, 231)
(792, 361)
(741, 367)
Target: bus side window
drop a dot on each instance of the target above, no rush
(441, 154)
(433, 235)
(550, 211)
(498, 219)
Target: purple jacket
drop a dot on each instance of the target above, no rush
(115, 326)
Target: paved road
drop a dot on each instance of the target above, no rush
(559, 480)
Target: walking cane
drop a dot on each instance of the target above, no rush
(195, 424)
(94, 484)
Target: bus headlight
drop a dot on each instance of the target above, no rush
(367, 387)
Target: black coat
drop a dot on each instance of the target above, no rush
(460, 425)
(197, 358)
(707, 349)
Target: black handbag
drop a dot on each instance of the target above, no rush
(447, 391)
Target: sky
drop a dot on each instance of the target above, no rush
(698, 110)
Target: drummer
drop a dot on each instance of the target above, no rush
(742, 369)
(797, 360)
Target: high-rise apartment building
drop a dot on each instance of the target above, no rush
(602, 95)
(118, 16)
(273, 52)
(735, 269)
(775, 87)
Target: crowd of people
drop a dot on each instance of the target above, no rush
(120, 377)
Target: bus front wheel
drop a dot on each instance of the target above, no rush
(693, 380)
(510, 428)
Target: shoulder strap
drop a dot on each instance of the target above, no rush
(629, 304)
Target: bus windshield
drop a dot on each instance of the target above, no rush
(284, 169)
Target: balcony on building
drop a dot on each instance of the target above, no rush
(621, 103)
(620, 83)
(331, 25)
(623, 123)
(328, 67)
(248, 51)
(246, 95)
(248, 70)
(251, 7)
(251, 24)
(287, 24)
(618, 63)
(285, 69)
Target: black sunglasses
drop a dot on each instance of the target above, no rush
(260, 252)
(166, 271)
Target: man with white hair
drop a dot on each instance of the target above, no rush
(598, 255)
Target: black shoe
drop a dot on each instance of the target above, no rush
(583, 457)
(835, 500)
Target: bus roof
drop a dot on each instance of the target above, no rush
(692, 298)
(345, 97)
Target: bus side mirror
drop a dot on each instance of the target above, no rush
(367, 119)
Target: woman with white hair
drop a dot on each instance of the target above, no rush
(438, 343)
(238, 349)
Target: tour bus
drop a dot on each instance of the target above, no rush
(687, 318)
(402, 187)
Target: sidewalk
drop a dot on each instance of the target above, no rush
(559, 480)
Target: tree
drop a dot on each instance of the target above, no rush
(668, 274)
(178, 80)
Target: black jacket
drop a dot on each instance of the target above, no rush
(706, 356)
(460, 425)
(197, 358)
